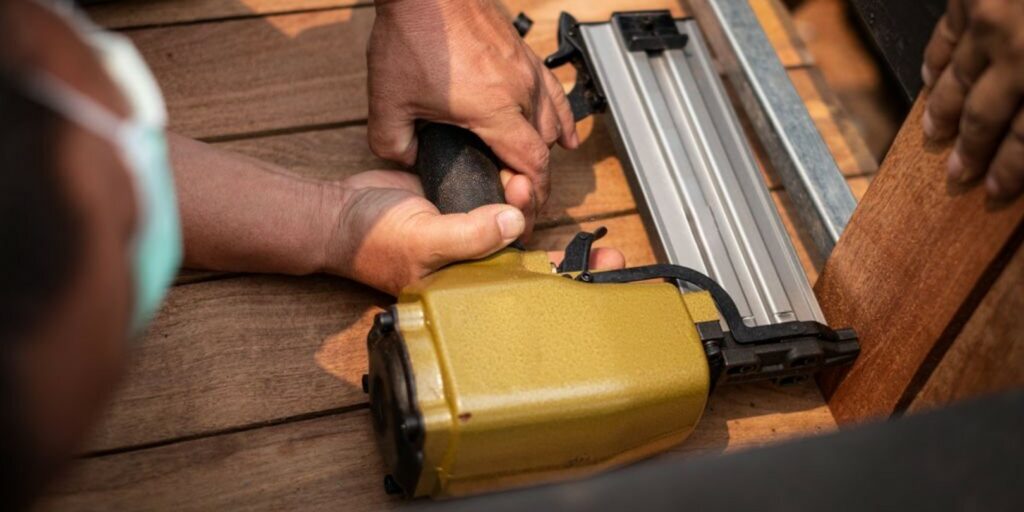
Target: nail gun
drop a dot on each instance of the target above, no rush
(511, 370)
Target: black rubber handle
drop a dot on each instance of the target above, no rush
(459, 172)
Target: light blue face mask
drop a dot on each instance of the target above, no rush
(141, 142)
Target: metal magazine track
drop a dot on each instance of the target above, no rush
(699, 187)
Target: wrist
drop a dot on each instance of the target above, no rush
(334, 196)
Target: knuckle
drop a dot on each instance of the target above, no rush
(526, 71)
(960, 75)
(475, 232)
(974, 122)
(945, 31)
(382, 147)
(539, 156)
(942, 113)
(549, 133)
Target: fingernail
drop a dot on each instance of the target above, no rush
(574, 141)
(928, 125)
(511, 223)
(955, 167)
(926, 75)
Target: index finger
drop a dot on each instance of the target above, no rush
(944, 39)
(518, 144)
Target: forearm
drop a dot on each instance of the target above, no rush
(241, 214)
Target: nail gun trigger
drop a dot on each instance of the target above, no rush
(577, 253)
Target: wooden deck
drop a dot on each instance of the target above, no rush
(245, 392)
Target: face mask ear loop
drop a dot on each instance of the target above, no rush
(93, 117)
(74, 106)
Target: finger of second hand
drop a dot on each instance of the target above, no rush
(988, 110)
(568, 137)
(939, 50)
(946, 100)
(1006, 173)
(516, 142)
(546, 120)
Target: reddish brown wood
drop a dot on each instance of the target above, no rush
(910, 268)
(988, 356)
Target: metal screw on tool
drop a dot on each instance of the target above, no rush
(385, 321)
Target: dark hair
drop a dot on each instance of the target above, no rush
(39, 245)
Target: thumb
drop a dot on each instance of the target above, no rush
(455, 237)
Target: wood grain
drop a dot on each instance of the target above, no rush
(280, 72)
(332, 462)
(544, 12)
(781, 32)
(988, 356)
(141, 13)
(263, 75)
(907, 272)
(148, 13)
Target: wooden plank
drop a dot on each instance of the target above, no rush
(262, 74)
(141, 13)
(908, 271)
(988, 356)
(168, 12)
(332, 461)
(122, 15)
(778, 26)
(284, 72)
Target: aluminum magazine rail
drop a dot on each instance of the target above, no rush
(692, 171)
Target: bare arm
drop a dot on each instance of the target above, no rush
(241, 214)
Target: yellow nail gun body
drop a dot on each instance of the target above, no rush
(511, 373)
(507, 370)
